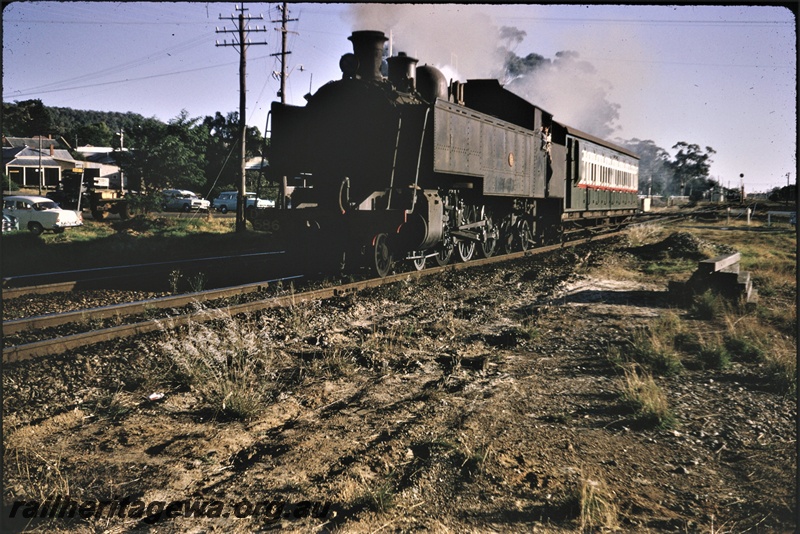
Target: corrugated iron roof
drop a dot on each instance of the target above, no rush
(16, 142)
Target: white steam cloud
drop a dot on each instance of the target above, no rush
(457, 39)
(464, 42)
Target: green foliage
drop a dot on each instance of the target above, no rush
(690, 168)
(28, 118)
(715, 356)
(9, 184)
(97, 134)
(147, 202)
(708, 305)
(744, 348)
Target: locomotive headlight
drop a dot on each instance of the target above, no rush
(349, 65)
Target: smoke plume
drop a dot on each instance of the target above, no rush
(465, 43)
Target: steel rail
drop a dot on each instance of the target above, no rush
(12, 293)
(133, 308)
(104, 273)
(57, 346)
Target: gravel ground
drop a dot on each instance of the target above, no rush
(469, 401)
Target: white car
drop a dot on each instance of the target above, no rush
(226, 201)
(183, 200)
(38, 214)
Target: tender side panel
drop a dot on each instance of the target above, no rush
(469, 143)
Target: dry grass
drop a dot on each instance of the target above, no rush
(642, 234)
(232, 365)
(646, 400)
(598, 510)
(38, 470)
(654, 347)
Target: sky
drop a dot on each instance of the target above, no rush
(723, 77)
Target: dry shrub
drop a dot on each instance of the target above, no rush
(231, 364)
(640, 234)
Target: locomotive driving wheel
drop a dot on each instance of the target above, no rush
(465, 247)
(382, 256)
(507, 241)
(492, 238)
(445, 253)
(524, 235)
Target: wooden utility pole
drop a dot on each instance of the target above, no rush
(282, 93)
(283, 53)
(240, 40)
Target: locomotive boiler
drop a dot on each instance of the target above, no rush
(374, 170)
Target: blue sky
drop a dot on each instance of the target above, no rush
(718, 76)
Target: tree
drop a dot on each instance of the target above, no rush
(655, 172)
(97, 134)
(690, 168)
(166, 155)
(221, 154)
(28, 118)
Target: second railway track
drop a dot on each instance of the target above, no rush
(60, 343)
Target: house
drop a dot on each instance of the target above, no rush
(102, 167)
(22, 160)
(35, 161)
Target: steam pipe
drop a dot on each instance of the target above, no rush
(419, 158)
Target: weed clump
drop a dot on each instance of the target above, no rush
(654, 347)
(233, 367)
(646, 400)
(598, 510)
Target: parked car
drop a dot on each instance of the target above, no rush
(182, 200)
(38, 214)
(10, 223)
(226, 201)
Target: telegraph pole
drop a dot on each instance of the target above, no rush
(283, 53)
(282, 93)
(240, 40)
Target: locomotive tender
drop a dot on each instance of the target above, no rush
(374, 170)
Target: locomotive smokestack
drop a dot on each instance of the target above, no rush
(402, 72)
(368, 48)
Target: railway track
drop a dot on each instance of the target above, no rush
(125, 312)
(43, 283)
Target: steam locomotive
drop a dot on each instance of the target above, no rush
(374, 170)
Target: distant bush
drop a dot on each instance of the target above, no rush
(9, 184)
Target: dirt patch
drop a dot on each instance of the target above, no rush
(469, 401)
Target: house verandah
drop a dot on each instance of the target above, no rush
(30, 166)
(40, 162)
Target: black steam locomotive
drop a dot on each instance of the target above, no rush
(375, 170)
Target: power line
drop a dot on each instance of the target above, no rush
(126, 80)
